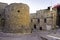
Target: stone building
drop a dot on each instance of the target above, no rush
(54, 16)
(41, 14)
(34, 23)
(2, 14)
(57, 7)
(44, 19)
(17, 18)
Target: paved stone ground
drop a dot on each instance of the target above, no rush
(8, 36)
(50, 35)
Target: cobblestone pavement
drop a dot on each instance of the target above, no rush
(50, 35)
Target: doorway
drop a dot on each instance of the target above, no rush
(34, 26)
(40, 28)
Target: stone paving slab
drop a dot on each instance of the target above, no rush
(8, 36)
(50, 35)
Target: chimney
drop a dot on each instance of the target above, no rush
(50, 8)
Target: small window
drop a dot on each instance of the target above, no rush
(45, 20)
(38, 21)
(18, 11)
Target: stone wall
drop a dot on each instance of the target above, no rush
(34, 20)
(17, 18)
(2, 14)
(54, 12)
(42, 15)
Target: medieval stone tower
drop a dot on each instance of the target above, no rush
(2, 14)
(17, 18)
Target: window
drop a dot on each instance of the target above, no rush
(45, 20)
(0, 14)
(38, 21)
(18, 11)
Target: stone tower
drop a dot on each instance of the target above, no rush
(2, 10)
(17, 18)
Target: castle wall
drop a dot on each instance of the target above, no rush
(2, 14)
(17, 18)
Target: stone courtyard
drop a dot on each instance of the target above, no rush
(41, 35)
(16, 23)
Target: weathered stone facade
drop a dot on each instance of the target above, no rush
(43, 19)
(42, 15)
(17, 18)
(54, 16)
(2, 14)
(33, 20)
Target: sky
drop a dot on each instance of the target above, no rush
(34, 4)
